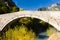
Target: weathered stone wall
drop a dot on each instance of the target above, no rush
(52, 17)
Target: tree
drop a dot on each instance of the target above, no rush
(7, 6)
(42, 9)
(21, 9)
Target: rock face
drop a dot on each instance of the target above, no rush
(7, 6)
(53, 7)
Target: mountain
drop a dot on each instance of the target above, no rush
(7, 6)
(53, 7)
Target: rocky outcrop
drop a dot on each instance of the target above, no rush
(53, 7)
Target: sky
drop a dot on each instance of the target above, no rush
(34, 4)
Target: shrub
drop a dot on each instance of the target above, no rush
(19, 33)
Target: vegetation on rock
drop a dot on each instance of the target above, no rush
(7, 6)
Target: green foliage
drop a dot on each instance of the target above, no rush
(21, 9)
(7, 7)
(4, 9)
(21, 33)
(25, 20)
(14, 9)
(42, 9)
(51, 30)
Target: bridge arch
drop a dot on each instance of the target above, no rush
(40, 15)
(16, 18)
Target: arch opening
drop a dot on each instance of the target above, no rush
(38, 26)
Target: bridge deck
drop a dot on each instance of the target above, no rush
(52, 17)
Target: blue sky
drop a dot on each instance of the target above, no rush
(34, 4)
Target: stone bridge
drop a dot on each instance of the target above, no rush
(52, 17)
